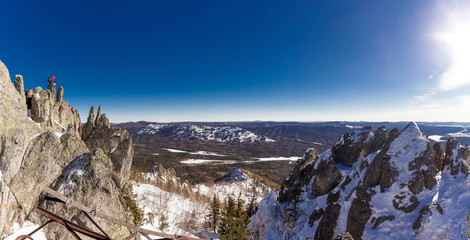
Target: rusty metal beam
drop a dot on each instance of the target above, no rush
(31, 233)
(69, 201)
(71, 226)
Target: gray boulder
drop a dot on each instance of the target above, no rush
(89, 174)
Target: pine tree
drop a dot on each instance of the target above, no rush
(213, 218)
(163, 222)
(242, 220)
(234, 222)
(252, 205)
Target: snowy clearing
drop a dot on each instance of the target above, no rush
(204, 161)
(278, 159)
(436, 138)
(175, 150)
(206, 153)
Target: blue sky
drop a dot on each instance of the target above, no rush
(218, 60)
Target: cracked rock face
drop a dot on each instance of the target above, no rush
(53, 112)
(89, 173)
(39, 151)
(114, 141)
(376, 184)
(15, 131)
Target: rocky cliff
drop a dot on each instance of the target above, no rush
(50, 149)
(373, 184)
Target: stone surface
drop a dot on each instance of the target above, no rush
(427, 210)
(19, 85)
(15, 133)
(328, 223)
(327, 177)
(34, 152)
(88, 180)
(344, 236)
(53, 113)
(376, 162)
(457, 157)
(114, 141)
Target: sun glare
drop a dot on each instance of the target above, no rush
(456, 37)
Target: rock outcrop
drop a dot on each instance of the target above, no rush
(43, 151)
(53, 113)
(89, 173)
(375, 184)
(15, 133)
(114, 141)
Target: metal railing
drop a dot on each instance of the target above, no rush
(75, 228)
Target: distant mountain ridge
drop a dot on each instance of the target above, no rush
(204, 132)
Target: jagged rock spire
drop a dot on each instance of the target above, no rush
(60, 93)
(90, 125)
(115, 142)
(98, 115)
(19, 84)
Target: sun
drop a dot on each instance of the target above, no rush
(456, 38)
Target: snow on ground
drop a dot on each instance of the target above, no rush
(317, 143)
(353, 126)
(207, 161)
(451, 193)
(461, 134)
(175, 150)
(73, 171)
(232, 189)
(278, 159)
(436, 138)
(206, 153)
(206, 133)
(26, 228)
(155, 201)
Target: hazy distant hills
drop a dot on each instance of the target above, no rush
(200, 151)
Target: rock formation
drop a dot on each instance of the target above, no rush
(52, 112)
(45, 150)
(374, 184)
(114, 141)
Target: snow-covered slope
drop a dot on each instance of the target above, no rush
(373, 184)
(206, 133)
(162, 195)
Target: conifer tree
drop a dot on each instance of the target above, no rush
(234, 222)
(163, 222)
(213, 218)
(252, 205)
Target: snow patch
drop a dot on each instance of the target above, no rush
(76, 169)
(175, 150)
(279, 159)
(204, 161)
(25, 229)
(436, 138)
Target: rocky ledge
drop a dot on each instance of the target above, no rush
(50, 149)
(372, 185)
